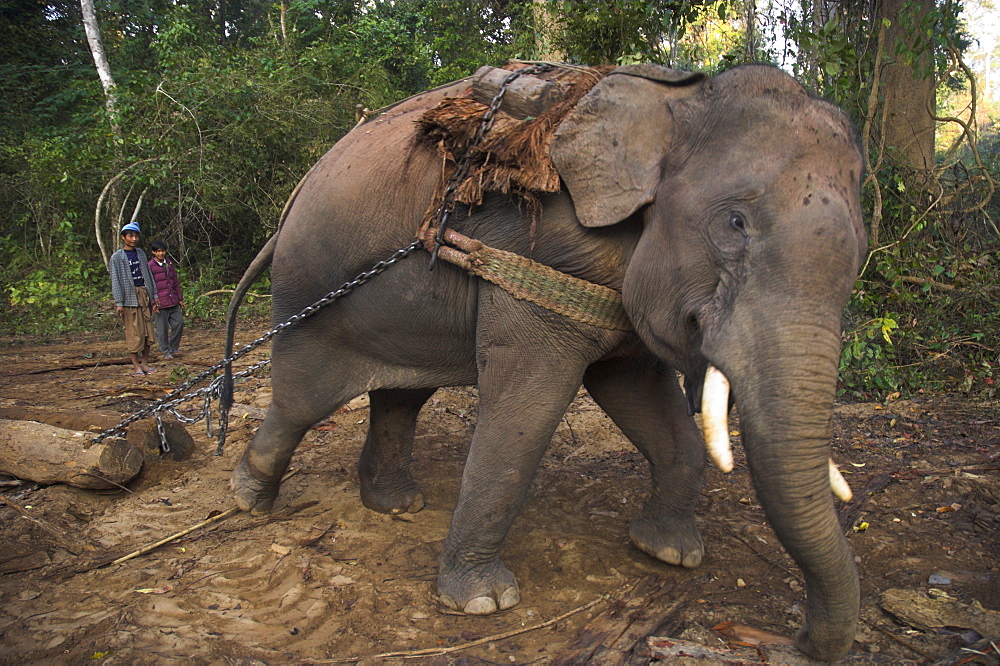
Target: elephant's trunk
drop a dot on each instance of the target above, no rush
(785, 396)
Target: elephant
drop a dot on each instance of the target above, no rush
(725, 210)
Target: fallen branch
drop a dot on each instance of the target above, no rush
(891, 636)
(927, 281)
(913, 473)
(75, 366)
(173, 537)
(142, 551)
(850, 511)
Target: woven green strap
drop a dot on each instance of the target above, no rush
(531, 281)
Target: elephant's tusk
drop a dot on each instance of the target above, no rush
(839, 484)
(714, 418)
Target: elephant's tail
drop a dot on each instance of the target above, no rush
(253, 272)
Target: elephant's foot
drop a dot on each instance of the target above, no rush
(254, 493)
(675, 542)
(397, 496)
(833, 649)
(478, 590)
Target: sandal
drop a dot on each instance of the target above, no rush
(139, 374)
(150, 371)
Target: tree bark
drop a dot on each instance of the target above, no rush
(46, 454)
(909, 86)
(100, 59)
(546, 27)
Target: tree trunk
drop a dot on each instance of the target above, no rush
(100, 59)
(46, 454)
(546, 27)
(93, 31)
(908, 85)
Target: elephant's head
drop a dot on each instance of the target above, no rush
(748, 188)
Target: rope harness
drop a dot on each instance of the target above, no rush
(525, 279)
(528, 280)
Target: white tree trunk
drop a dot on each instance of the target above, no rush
(100, 58)
(110, 104)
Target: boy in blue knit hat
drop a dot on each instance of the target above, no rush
(134, 292)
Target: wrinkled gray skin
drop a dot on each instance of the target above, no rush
(727, 212)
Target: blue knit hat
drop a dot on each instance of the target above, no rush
(131, 226)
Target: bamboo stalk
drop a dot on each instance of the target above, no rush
(173, 537)
(142, 551)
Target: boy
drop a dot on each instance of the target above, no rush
(134, 292)
(170, 319)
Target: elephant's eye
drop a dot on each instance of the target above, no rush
(737, 222)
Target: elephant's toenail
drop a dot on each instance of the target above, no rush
(692, 560)
(509, 598)
(670, 556)
(481, 606)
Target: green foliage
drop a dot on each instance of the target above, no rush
(206, 309)
(621, 32)
(58, 295)
(924, 315)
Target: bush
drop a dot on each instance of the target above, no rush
(924, 316)
(62, 293)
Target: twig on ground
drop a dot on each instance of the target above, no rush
(210, 575)
(430, 652)
(765, 558)
(899, 640)
(98, 476)
(173, 537)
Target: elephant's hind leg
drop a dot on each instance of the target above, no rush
(644, 399)
(257, 477)
(301, 399)
(387, 486)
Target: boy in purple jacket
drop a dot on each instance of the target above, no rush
(170, 318)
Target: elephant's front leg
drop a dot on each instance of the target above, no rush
(523, 394)
(643, 398)
(387, 485)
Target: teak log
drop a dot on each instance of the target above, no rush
(47, 454)
(526, 96)
(141, 434)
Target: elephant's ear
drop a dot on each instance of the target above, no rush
(609, 149)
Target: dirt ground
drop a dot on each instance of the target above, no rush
(324, 579)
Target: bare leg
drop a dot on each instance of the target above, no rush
(644, 399)
(303, 395)
(145, 357)
(136, 366)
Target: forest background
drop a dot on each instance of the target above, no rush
(196, 118)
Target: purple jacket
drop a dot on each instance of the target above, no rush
(168, 287)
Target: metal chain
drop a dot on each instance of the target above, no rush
(461, 172)
(213, 390)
